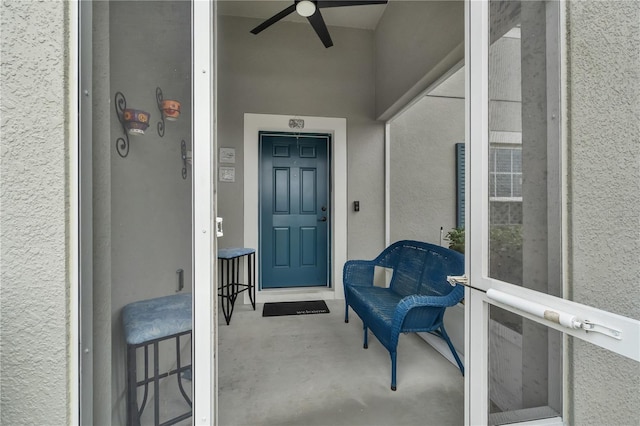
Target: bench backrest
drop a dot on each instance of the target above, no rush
(420, 268)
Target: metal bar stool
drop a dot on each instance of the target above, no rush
(229, 285)
(147, 323)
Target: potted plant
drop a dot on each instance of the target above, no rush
(456, 239)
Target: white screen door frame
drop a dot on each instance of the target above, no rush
(205, 395)
(204, 319)
(483, 291)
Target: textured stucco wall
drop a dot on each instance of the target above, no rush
(415, 43)
(33, 210)
(604, 197)
(286, 70)
(423, 169)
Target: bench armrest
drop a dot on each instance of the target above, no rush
(420, 301)
(358, 273)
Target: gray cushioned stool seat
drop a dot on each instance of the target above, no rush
(152, 319)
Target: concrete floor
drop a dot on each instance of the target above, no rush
(312, 370)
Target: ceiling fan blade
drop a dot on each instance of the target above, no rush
(275, 18)
(317, 22)
(340, 3)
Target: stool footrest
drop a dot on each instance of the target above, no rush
(162, 376)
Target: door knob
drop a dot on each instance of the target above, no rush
(324, 208)
(324, 219)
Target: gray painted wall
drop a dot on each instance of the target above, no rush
(287, 70)
(603, 60)
(423, 169)
(34, 215)
(102, 146)
(415, 43)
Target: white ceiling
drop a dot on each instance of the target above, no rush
(363, 17)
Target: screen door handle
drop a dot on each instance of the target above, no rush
(565, 319)
(219, 231)
(462, 279)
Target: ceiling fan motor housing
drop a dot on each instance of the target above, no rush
(305, 8)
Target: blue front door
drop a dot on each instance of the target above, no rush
(294, 209)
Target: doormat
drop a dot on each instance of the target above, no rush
(295, 308)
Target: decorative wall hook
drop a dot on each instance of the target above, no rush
(159, 100)
(134, 122)
(169, 110)
(122, 144)
(186, 157)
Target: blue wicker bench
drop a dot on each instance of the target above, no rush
(415, 300)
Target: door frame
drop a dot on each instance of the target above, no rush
(337, 127)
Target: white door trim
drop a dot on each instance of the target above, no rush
(337, 127)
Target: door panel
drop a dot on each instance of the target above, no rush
(294, 221)
(281, 252)
(308, 246)
(308, 193)
(281, 190)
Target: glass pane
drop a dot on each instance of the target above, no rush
(503, 185)
(503, 160)
(521, 230)
(517, 160)
(492, 185)
(525, 369)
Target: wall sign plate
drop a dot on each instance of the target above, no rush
(227, 174)
(227, 155)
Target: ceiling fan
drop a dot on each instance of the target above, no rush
(310, 9)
